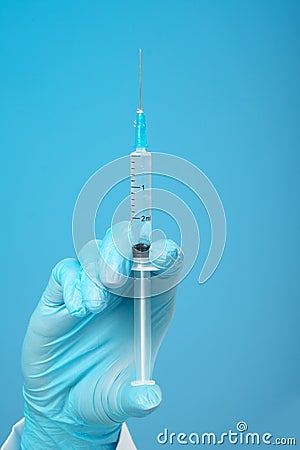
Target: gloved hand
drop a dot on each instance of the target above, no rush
(78, 358)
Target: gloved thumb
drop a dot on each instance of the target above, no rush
(140, 400)
(99, 400)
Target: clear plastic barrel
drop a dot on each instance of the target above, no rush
(140, 196)
(142, 327)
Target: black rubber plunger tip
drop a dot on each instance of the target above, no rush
(141, 250)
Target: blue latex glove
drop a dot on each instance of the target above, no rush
(78, 359)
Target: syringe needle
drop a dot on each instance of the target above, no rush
(141, 80)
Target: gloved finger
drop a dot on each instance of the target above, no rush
(115, 260)
(95, 297)
(89, 259)
(64, 287)
(167, 256)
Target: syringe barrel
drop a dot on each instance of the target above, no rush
(140, 196)
(142, 327)
(140, 208)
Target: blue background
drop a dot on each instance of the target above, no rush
(221, 89)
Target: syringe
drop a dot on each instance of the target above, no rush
(140, 208)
